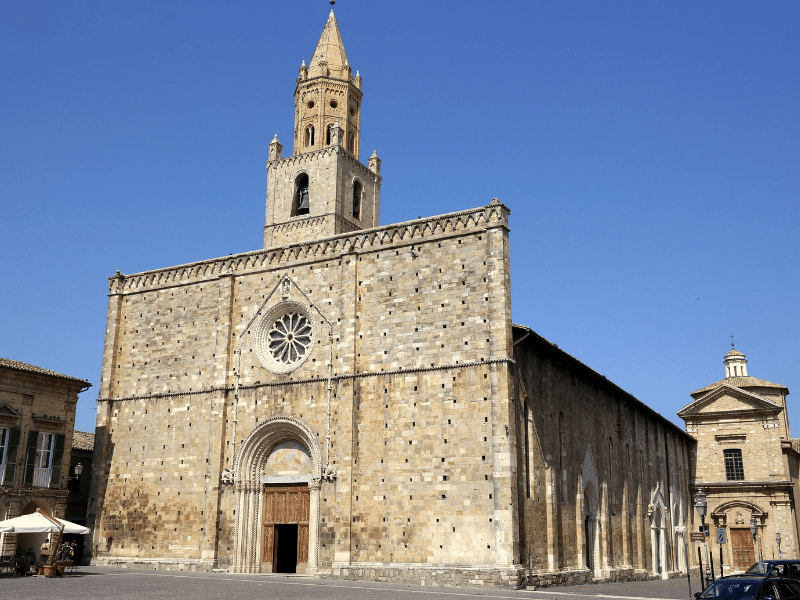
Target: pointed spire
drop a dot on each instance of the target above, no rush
(329, 57)
(375, 162)
(275, 149)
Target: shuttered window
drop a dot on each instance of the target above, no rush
(4, 435)
(43, 461)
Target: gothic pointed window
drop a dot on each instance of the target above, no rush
(301, 205)
(357, 200)
(309, 136)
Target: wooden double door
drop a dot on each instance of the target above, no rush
(285, 528)
(742, 549)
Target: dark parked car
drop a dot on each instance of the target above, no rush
(743, 587)
(776, 568)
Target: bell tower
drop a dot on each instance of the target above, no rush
(327, 92)
(323, 189)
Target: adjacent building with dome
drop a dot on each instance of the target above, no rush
(746, 462)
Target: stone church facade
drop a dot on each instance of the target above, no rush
(353, 400)
(746, 463)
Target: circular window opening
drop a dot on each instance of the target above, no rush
(285, 337)
(334, 104)
(310, 104)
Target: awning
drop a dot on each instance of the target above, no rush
(39, 523)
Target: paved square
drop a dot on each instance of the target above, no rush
(124, 584)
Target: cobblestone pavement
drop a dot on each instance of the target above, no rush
(124, 584)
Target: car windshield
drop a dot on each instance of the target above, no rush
(730, 588)
(760, 568)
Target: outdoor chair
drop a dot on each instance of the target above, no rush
(22, 565)
(6, 563)
(63, 565)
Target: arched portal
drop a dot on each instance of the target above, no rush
(281, 463)
(658, 537)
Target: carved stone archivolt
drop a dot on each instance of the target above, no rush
(248, 466)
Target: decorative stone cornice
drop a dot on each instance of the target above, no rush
(364, 240)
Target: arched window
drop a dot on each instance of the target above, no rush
(301, 205)
(351, 142)
(328, 135)
(309, 136)
(357, 200)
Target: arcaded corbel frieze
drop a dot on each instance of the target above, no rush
(493, 215)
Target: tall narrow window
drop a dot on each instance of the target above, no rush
(734, 470)
(328, 135)
(357, 200)
(310, 136)
(561, 453)
(351, 142)
(4, 433)
(527, 451)
(43, 462)
(301, 204)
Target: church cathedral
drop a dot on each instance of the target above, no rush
(352, 400)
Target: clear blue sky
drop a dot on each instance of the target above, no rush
(649, 152)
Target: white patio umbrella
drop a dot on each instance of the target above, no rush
(39, 523)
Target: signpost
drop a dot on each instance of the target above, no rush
(721, 535)
(697, 537)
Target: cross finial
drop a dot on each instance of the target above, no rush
(731, 340)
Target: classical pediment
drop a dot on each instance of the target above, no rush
(8, 414)
(728, 399)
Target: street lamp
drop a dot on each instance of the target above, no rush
(701, 506)
(778, 539)
(77, 469)
(754, 531)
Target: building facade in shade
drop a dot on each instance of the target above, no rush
(352, 400)
(79, 488)
(746, 462)
(37, 418)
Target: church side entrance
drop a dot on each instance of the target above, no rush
(285, 528)
(742, 548)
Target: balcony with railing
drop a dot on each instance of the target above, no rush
(41, 477)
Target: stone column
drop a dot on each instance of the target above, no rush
(314, 487)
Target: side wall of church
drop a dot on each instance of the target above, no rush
(601, 475)
(420, 411)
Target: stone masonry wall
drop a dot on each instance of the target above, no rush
(591, 447)
(420, 410)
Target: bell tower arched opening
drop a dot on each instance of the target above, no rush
(301, 204)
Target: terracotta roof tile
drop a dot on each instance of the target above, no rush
(741, 382)
(82, 440)
(21, 366)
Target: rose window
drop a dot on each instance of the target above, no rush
(290, 338)
(285, 337)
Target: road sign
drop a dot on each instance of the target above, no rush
(721, 538)
(697, 537)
